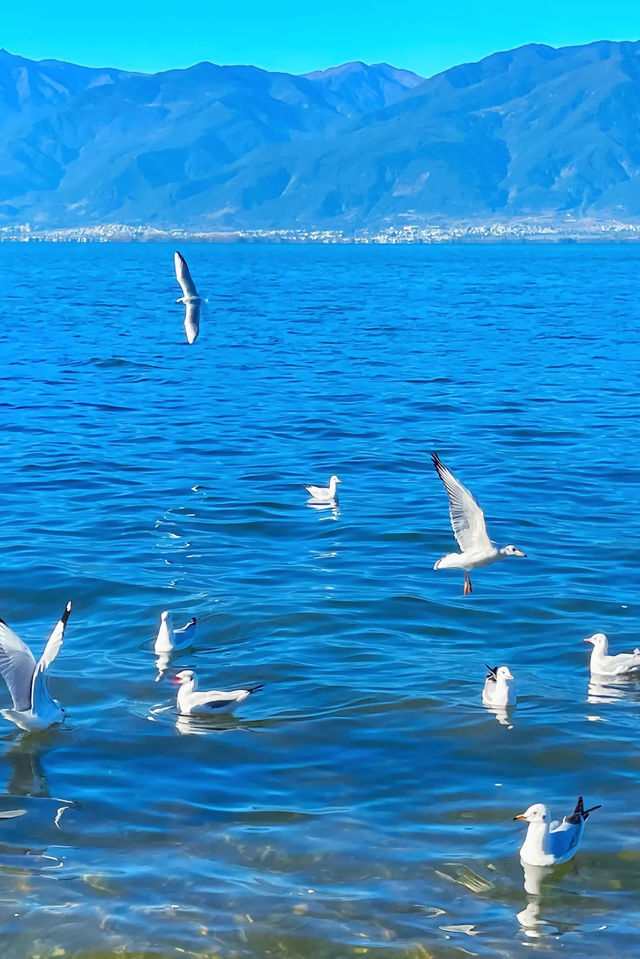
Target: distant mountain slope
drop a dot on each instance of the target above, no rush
(531, 132)
(83, 144)
(528, 132)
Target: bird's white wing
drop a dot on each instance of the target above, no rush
(183, 276)
(217, 700)
(39, 691)
(467, 519)
(17, 665)
(192, 319)
(564, 840)
(626, 662)
(54, 642)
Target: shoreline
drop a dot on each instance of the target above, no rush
(420, 236)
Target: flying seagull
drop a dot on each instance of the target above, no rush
(469, 529)
(601, 664)
(193, 703)
(190, 297)
(497, 687)
(549, 844)
(169, 639)
(325, 494)
(33, 706)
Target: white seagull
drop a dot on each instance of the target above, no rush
(549, 844)
(193, 703)
(190, 297)
(170, 639)
(497, 687)
(469, 529)
(601, 664)
(325, 494)
(33, 706)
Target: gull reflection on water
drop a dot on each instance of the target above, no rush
(324, 507)
(529, 917)
(24, 758)
(205, 725)
(603, 692)
(162, 665)
(503, 714)
(533, 925)
(27, 776)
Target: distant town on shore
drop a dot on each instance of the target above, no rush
(571, 231)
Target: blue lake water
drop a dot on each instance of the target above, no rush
(362, 803)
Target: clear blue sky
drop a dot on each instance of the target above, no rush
(298, 36)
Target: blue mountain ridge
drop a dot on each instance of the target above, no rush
(535, 131)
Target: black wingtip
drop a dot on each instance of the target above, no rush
(493, 671)
(581, 812)
(437, 462)
(192, 621)
(65, 615)
(253, 689)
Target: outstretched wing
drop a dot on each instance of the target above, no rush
(467, 519)
(183, 276)
(39, 691)
(192, 319)
(17, 665)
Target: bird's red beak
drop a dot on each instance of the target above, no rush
(176, 681)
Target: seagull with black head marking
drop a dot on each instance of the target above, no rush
(469, 529)
(33, 705)
(190, 297)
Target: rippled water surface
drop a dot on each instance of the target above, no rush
(362, 803)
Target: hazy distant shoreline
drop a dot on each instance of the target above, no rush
(496, 232)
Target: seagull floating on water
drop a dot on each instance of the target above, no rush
(469, 529)
(325, 494)
(601, 664)
(497, 687)
(33, 706)
(190, 297)
(193, 703)
(549, 844)
(170, 639)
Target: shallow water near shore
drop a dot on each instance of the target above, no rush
(362, 803)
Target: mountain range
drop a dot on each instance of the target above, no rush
(531, 132)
